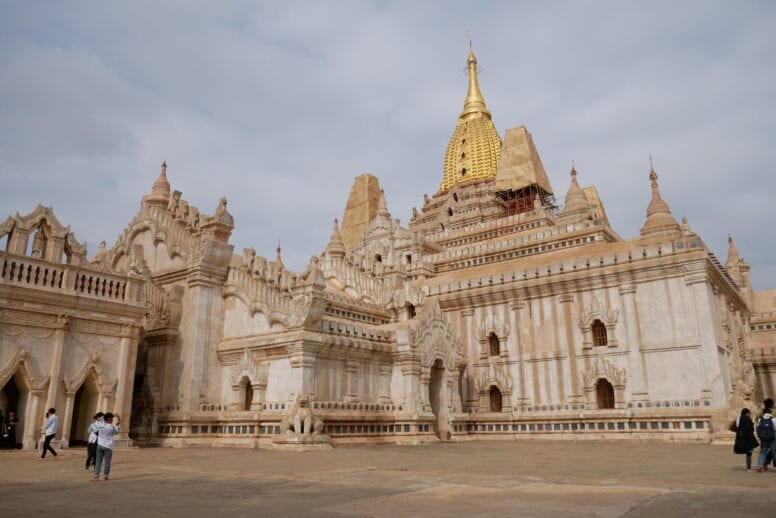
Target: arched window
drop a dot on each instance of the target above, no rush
(604, 394)
(247, 395)
(495, 400)
(494, 345)
(463, 172)
(378, 258)
(463, 156)
(410, 311)
(455, 196)
(449, 211)
(599, 333)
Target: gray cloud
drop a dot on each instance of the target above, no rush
(279, 105)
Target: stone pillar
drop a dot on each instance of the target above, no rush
(385, 383)
(352, 370)
(705, 313)
(303, 362)
(575, 395)
(259, 391)
(125, 374)
(471, 392)
(68, 418)
(33, 421)
(55, 368)
(638, 366)
(455, 395)
(411, 373)
(516, 307)
(425, 382)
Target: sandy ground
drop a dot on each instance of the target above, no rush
(482, 478)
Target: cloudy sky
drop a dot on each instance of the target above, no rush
(279, 105)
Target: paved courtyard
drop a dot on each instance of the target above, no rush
(482, 478)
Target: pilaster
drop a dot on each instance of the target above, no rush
(637, 365)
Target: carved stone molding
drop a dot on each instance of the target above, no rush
(21, 360)
(256, 374)
(494, 325)
(594, 311)
(90, 366)
(603, 369)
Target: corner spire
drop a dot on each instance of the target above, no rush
(475, 102)
(577, 205)
(659, 218)
(160, 192)
(278, 259)
(335, 248)
(733, 256)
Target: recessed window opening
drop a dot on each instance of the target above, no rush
(494, 345)
(449, 211)
(604, 394)
(599, 333)
(378, 258)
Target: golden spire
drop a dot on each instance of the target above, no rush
(474, 149)
(475, 102)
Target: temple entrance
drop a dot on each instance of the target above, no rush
(248, 395)
(495, 399)
(437, 397)
(84, 407)
(604, 394)
(14, 397)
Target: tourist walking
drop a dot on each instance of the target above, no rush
(766, 431)
(745, 441)
(768, 403)
(50, 430)
(91, 445)
(11, 421)
(106, 431)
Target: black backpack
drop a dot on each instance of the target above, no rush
(765, 429)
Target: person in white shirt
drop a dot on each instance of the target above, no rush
(50, 430)
(106, 432)
(91, 446)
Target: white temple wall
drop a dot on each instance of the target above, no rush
(239, 322)
(331, 380)
(281, 383)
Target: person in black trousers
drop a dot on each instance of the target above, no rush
(745, 441)
(91, 446)
(50, 429)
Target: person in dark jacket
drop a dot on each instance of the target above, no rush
(745, 441)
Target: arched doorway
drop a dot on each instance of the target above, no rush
(437, 397)
(604, 394)
(14, 396)
(495, 399)
(85, 405)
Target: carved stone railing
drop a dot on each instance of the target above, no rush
(67, 278)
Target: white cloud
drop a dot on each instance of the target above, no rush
(279, 105)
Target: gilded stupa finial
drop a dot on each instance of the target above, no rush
(475, 102)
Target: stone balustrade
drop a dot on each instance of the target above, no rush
(67, 278)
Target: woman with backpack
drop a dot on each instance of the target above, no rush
(766, 431)
(745, 441)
